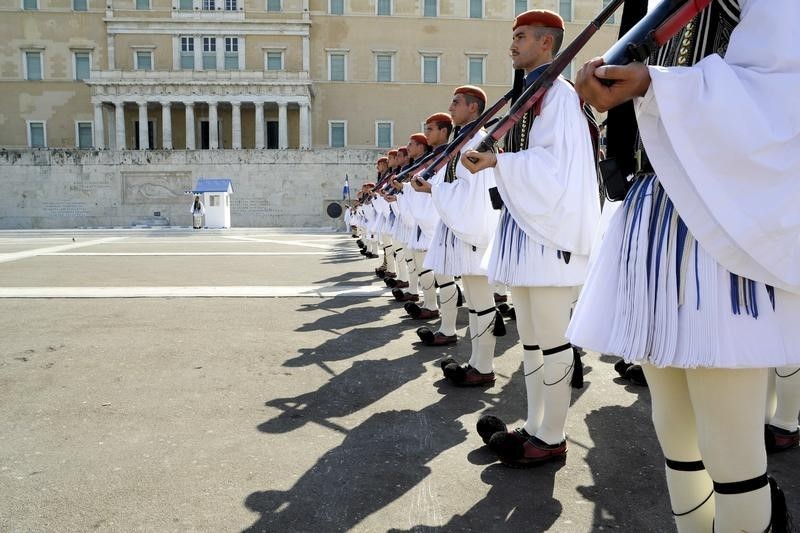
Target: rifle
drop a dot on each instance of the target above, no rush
(536, 90)
(653, 31)
(466, 134)
(648, 34)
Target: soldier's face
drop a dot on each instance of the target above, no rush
(460, 110)
(415, 149)
(527, 50)
(435, 134)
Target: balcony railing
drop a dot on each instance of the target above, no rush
(161, 76)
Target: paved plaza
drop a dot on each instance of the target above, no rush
(264, 380)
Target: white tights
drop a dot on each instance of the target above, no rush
(427, 282)
(481, 314)
(448, 298)
(715, 416)
(400, 260)
(542, 317)
(388, 252)
(783, 398)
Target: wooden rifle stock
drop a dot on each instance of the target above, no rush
(653, 31)
(536, 90)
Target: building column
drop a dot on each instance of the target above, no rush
(99, 127)
(190, 126)
(220, 54)
(236, 125)
(283, 127)
(166, 125)
(143, 137)
(306, 53)
(198, 51)
(119, 125)
(213, 131)
(305, 126)
(259, 125)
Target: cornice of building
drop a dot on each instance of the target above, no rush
(176, 26)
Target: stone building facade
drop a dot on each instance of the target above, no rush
(250, 74)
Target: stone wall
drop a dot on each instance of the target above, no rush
(79, 188)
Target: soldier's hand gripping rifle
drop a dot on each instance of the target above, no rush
(652, 31)
(536, 90)
(467, 132)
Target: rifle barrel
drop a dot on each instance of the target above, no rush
(536, 90)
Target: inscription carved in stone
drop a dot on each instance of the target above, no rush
(155, 187)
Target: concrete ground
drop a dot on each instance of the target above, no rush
(263, 380)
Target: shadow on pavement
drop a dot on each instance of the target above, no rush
(339, 320)
(378, 462)
(361, 385)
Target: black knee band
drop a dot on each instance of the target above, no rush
(447, 284)
(409, 260)
(685, 466)
(551, 351)
(530, 347)
(425, 272)
(741, 487)
(486, 311)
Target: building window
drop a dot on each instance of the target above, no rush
(430, 8)
(186, 5)
(37, 134)
(82, 65)
(565, 10)
(337, 67)
(80, 5)
(274, 60)
(231, 53)
(209, 53)
(383, 67)
(383, 135)
(209, 5)
(142, 4)
(384, 7)
(187, 53)
(143, 60)
(33, 66)
(475, 70)
(475, 9)
(337, 133)
(520, 6)
(336, 7)
(231, 5)
(611, 19)
(273, 5)
(213, 200)
(83, 135)
(30, 5)
(430, 69)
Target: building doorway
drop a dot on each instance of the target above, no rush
(151, 128)
(272, 134)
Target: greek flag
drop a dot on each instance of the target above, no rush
(346, 188)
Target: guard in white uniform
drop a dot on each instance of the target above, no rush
(551, 207)
(698, 275)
